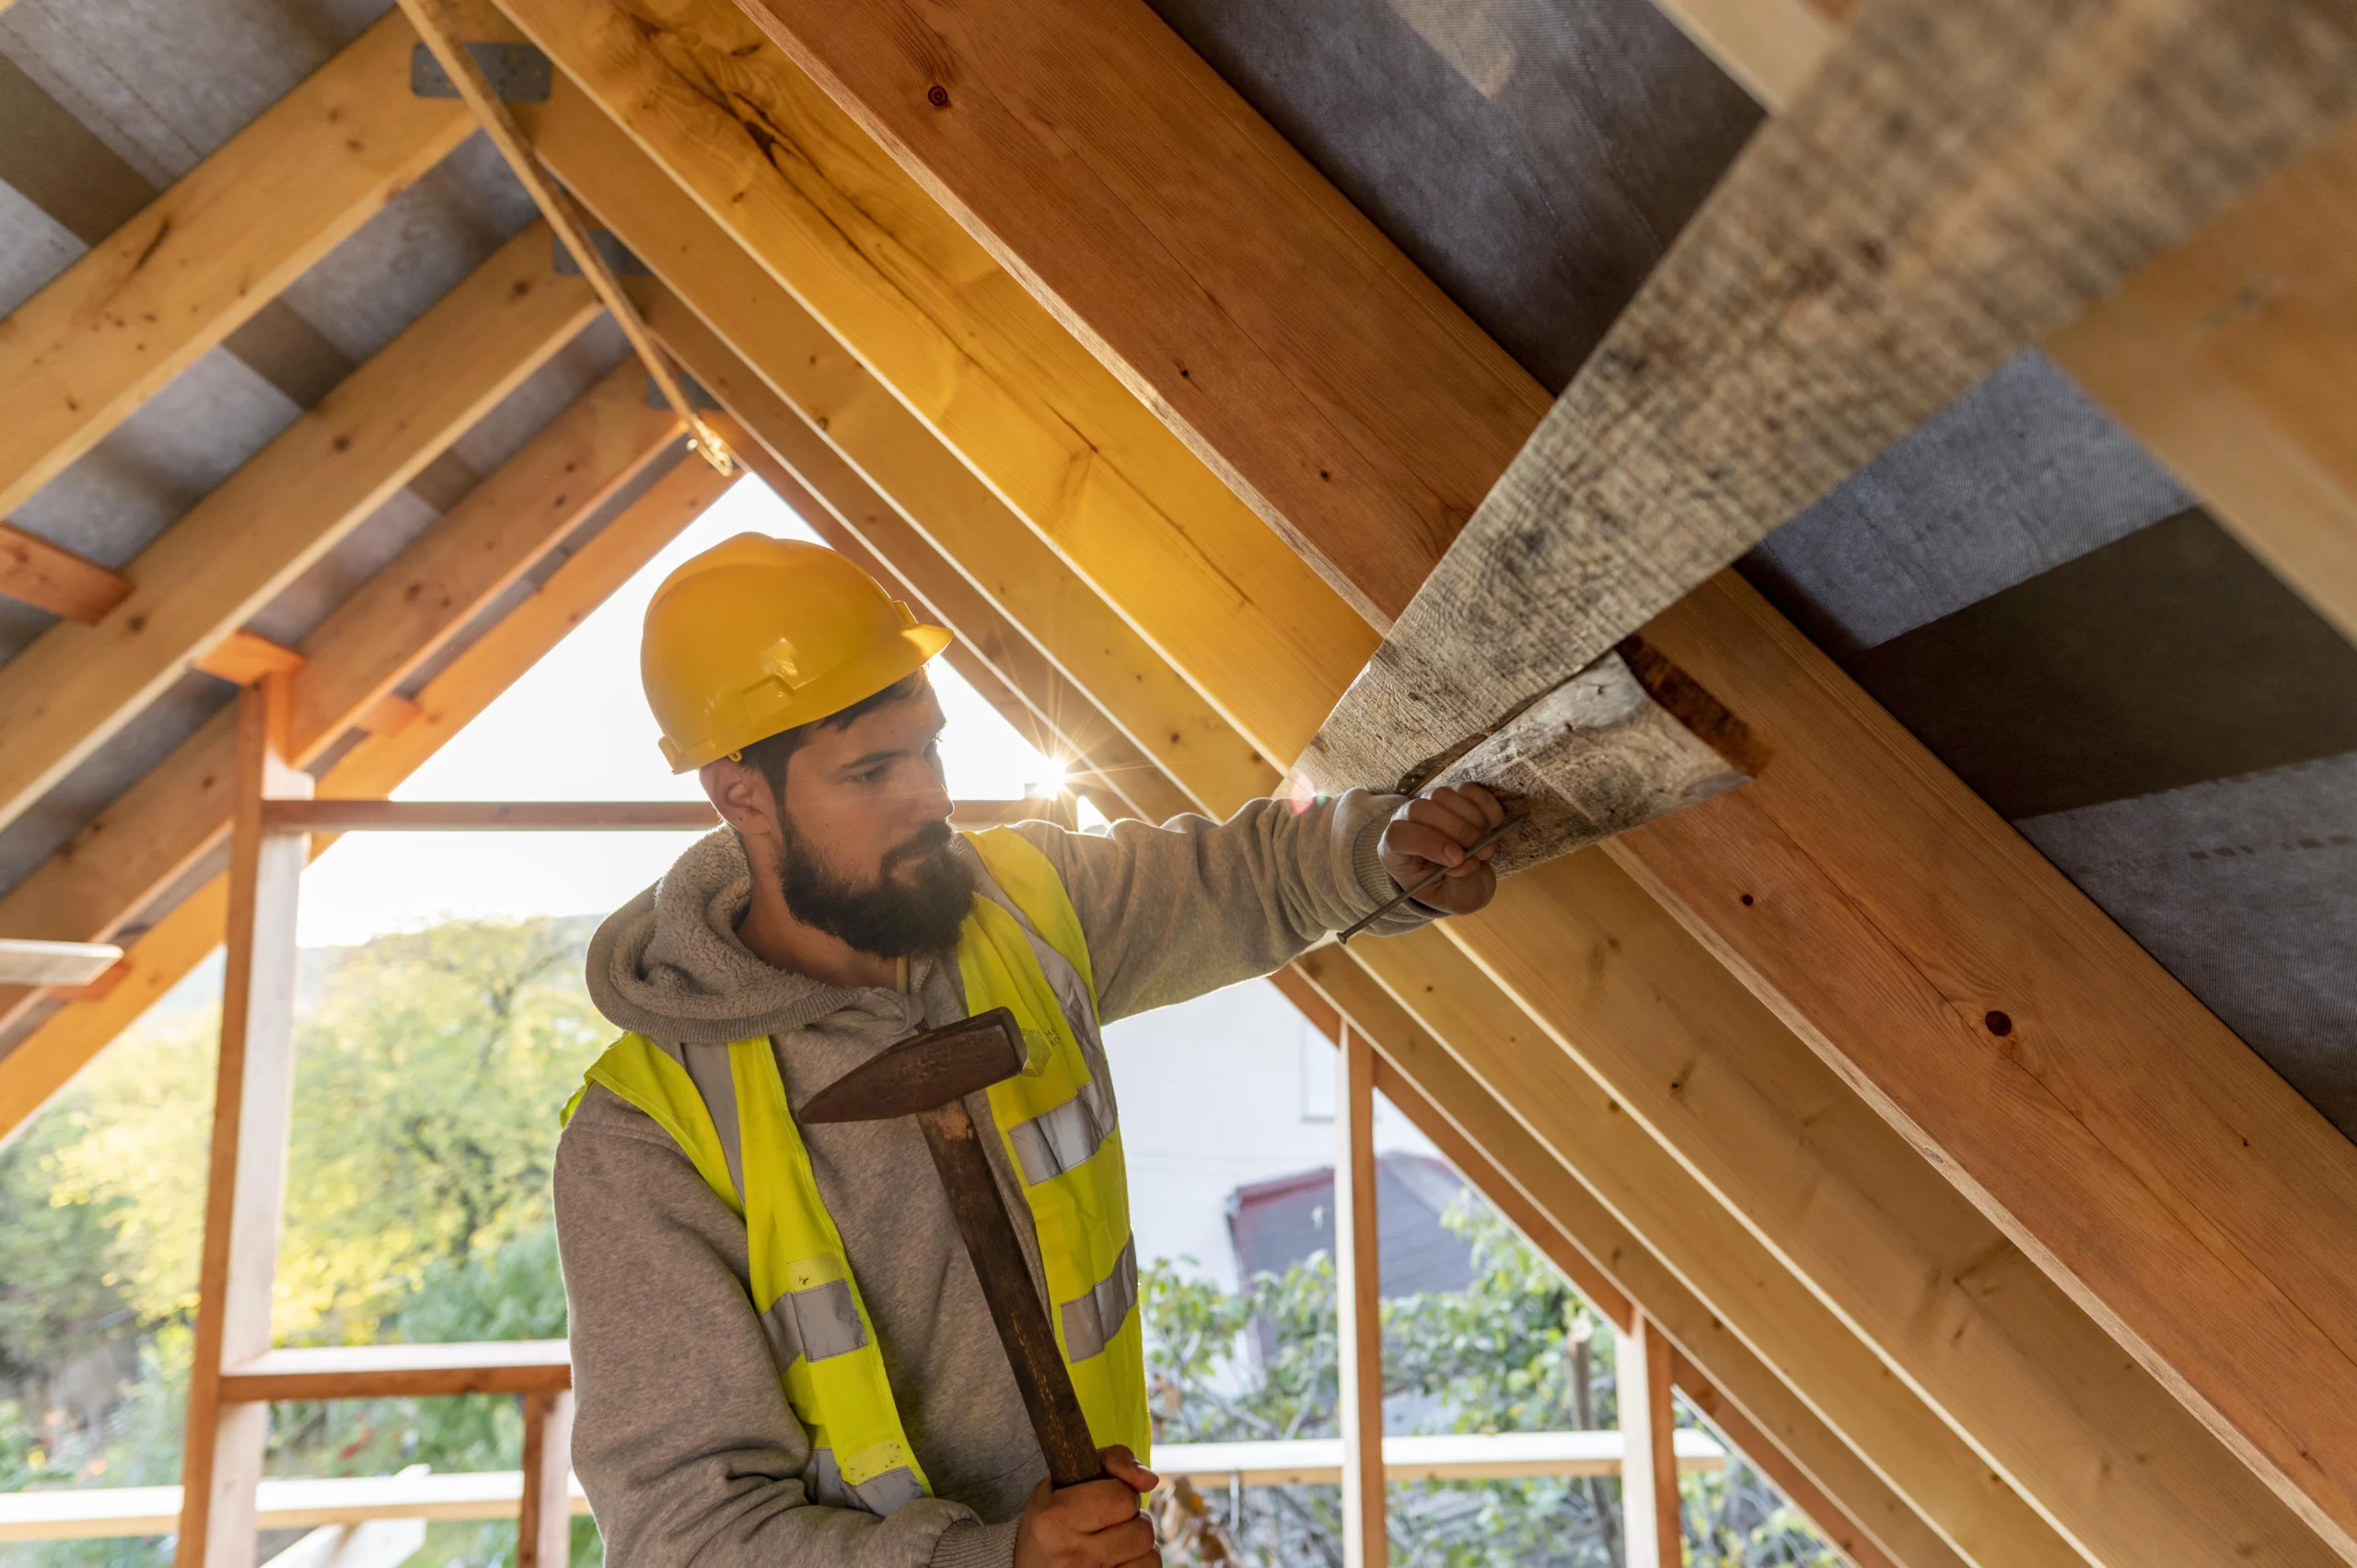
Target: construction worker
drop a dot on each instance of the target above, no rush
(781, 1352)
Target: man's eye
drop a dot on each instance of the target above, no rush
(874, 776)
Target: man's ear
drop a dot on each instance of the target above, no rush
(741, 795)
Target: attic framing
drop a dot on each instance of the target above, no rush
(2006, 1352)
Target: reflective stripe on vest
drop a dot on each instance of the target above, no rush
(1021, 948)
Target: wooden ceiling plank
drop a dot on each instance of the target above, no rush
(1874, 1503)
(2200, 1194)
(47, 1058)
(159, 827)
(105, 335)
(51, 577)
(75, 686)
(867, 252)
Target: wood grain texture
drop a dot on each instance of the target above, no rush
(339, 816)
(1737, 1432)
(253, 1108)
(1023, 403)
(1742, 1284)
(75, 686)
(51, 577)
(243, 658)
(1884, 1240)
(1103, 163)
(152, 834)
(2104, 1120)
(47, 1058)
(1956, 182)
(1879, 1518)
(2232, 360)
(106, 334)
(1358, 1309)
(1651, 1531)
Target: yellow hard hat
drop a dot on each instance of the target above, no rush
(757, 635)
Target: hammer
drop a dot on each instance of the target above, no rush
(928, 1076)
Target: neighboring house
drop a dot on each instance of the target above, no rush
(1275, 1224)
(1223, 1093)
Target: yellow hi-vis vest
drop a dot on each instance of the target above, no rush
(1020, 948)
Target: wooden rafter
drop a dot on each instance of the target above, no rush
(43, 1062)
(1056, 435)
(1942, 1462)
(109, 332)
(2225, 1233)
(2223, 357)
(166, 822)
(75, 686)
(1508, 1166)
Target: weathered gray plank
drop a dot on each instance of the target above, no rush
(1961, 178)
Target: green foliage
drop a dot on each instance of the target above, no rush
(430, 1068)
(1503, 1356)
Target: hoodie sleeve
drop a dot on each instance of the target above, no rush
(1180, 910)
(681, 1435)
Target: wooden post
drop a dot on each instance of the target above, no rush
(544, 1534)
(1359, 1306)
(252, 1105)
(1649, 1518)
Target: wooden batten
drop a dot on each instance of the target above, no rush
(244, 657)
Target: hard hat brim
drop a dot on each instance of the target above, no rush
(880, 665)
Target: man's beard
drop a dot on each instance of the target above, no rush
(890, 918)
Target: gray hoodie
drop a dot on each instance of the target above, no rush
(682, 1438)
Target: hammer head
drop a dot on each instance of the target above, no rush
(924, 1070)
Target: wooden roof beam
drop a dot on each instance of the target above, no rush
(45, 1060)
(403, 615)
(2225, 1203)
(1063, 443)
(106, 334)
(1792, 1442)
(2224, 358)
(75, 686)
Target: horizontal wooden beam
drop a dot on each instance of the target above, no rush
(110, 331)
(61, 697)
(150, 836)
(244, 657)
(401, 1371)
(51, 577)
(45, 1060)
(488, 816)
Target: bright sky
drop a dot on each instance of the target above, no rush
(575, 728)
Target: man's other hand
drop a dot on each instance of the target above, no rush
(1434, 832)
(1097, 1525)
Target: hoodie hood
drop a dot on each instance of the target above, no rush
(669, 964)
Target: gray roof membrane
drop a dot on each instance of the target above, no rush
(1510, 147)
(1535, 157)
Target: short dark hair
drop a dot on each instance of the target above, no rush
(769, 754)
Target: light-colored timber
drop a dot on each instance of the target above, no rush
(1652, 1533)
(51, 577)
(1358, 1295)
(206, 575)
(109, 332)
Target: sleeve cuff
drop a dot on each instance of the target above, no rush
(1366, 865)
(969, 1545)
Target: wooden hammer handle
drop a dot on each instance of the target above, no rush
(1014, 1301)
